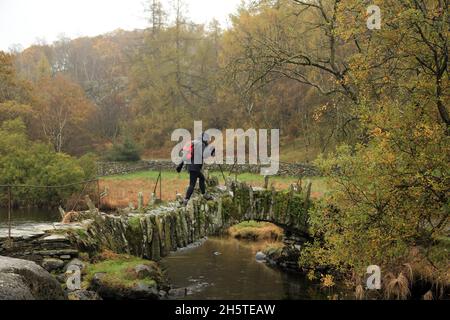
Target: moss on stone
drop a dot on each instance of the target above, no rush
(229, 209)
(119, 272)
(241, 199)
(135, 223)
(274, 250)
(167, 233)
(297, 210)
(82, 233)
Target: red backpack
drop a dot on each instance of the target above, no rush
(188, 152)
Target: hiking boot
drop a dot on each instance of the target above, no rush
(207, 197)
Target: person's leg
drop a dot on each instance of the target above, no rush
(192, 182)
(201, 179)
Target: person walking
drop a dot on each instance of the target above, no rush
(193, 156)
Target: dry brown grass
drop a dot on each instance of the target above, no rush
(397, 287)
(256, 231)
(123, 192)
(107, 255)
(71, 216)
(435, 272)
(428, 295)
(359, 292)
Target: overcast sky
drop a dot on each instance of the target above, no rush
(24, 21)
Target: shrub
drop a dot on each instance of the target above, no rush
(389, 196)
(23, 162)
(126, 151)
(88, 163)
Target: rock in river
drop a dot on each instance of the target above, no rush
(25, 280)
(260, 256)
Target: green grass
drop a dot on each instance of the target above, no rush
(147, 174)
(319, 184)
(250, 224)
(120, 271)
(81, 233)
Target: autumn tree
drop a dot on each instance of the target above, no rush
(390, 200)
(173, 79)
(63, 112)
(12, 88)
(16, 95)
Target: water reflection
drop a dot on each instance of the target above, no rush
(26, 216)
(233, 274)
(27, 221)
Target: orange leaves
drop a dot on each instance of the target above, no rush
(63, 110)
(319, 112)
(376, 132)
(423, 130)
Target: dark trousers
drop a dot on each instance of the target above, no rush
(193, 176)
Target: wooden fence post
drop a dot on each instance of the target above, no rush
(98, 194)
(160, 184)
(9, 216)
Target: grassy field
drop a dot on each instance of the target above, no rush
(123, 189)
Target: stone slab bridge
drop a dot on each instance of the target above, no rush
(152, 233)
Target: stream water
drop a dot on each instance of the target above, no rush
(27, 221)
(32, 215)
(218, 268)
(226, 268)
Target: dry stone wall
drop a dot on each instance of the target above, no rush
(286, 169)
(153, 232)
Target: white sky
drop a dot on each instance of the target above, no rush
(24, 21)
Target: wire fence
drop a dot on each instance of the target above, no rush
(72, 202)
(90, 187)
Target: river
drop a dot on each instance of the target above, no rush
(218, 268)
(226, 268)
(32, 215)
(27, 221)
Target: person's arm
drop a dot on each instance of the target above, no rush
(210, 151)
(180, 166)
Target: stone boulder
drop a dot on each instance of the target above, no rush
(84, 295)
(260, 256)
(75, 263)
(113, 291)
(13, 287)
(25, 280)
(146, 271)
(52, 264)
